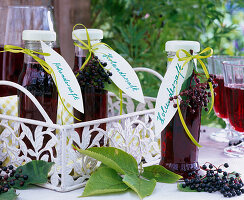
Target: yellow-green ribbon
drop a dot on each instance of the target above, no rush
(45, 66)
(188, 58)
(91, 49)
(88, 46)
(16, 49)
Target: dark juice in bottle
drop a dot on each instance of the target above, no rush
(10, 69)
(95, 104)
(178, 153)
(40, 84)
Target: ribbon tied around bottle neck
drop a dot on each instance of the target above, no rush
(188, 58)
(91, 48)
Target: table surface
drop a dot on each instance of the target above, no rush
(210, 152)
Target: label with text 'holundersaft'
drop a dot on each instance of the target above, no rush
(174, 78)
(123, 74)
(67, 83)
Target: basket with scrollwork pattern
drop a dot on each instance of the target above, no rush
(133, 132)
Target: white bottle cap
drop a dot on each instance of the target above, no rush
(37, 35)
(94, 34)
(175, 45)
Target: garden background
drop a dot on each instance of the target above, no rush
(138, 30)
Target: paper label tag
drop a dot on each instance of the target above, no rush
(123, 74)
(164, 110)
(67, 83)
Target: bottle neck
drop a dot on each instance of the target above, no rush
(35, 46)
(79, 52)
(171, 55)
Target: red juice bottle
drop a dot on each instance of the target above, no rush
(178, 153)
(36, 80)
(94, 98)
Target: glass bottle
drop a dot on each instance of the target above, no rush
(178, 153)
(35, 79)
(94, 100)
(17, 16)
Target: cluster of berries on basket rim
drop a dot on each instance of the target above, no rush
(215, 179)
(93, 74)
(10, 177)
(196, 95)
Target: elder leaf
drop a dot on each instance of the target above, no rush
(104, 180)
(112, 88)
(37, 171)
(160, 174)
(141, 186)
(10, 195)
(114, 158)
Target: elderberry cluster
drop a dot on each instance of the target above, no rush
(215, 179)
(39, 82)
(93, 74)
(9, 177)
(196, 95)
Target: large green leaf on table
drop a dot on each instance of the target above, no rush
(114, 158)
(141, 186)
(104, 180)
(10, 195)
(37, 171)
(160, 174)
(186, 189)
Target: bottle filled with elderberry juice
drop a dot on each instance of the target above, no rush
(35, 79)
(178, 153)
(92, 78)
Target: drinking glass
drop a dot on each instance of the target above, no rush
(234, 88)
(215, 67)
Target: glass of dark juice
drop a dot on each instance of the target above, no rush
(215, 68)
(234, 89)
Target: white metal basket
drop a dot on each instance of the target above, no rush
(133, 132)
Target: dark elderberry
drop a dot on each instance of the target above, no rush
(226, 165)
(228, 184)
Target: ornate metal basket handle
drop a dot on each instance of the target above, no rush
(144, 69)
(33, 99)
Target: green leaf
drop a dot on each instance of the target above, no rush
(141, 186)
(186, 189)
(104, 180)
(114, 158)
(112, 88)
(160, 174)
(10, 195)
(37, 171)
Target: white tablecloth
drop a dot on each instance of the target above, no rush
(210, 152)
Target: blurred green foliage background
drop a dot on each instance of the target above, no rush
(138, 30)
